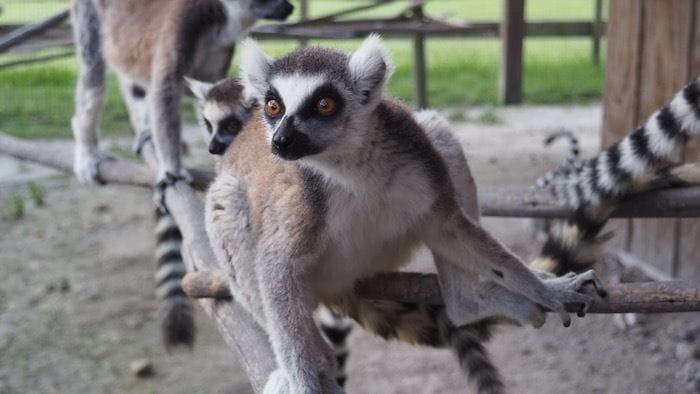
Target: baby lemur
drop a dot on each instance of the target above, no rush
(329, 182)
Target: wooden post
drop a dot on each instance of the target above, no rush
(511, 67)
(653, 47)
(419, 74)
(303, 16)
(597, 30)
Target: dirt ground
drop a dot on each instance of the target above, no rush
(77, 304)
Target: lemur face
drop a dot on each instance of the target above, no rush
(277, 10)
(314, 99)
(222, 111)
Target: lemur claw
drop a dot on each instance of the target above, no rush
(140, 140)
(164, 181)
(568, 289)
(86, 164)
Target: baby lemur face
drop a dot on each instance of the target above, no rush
(222, 111)
(315, 101)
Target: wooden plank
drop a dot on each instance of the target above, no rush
(621, 91)
(597, 30)
(663, 65)
(23, 33)
(420, 79)
(689, 249)
(511, 65)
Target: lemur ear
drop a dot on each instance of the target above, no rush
(370, 67)
(199, 89)
(255, 66)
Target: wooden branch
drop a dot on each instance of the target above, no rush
(500, 201)
(58, 154)
(238, 328)
(17, 36)
(645, 297)
(518, 202)
(36, 59)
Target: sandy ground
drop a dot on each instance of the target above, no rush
(77, 302)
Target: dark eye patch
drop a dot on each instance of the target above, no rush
(272, 94)
(208, 125)
(230, 125)
(309, 110)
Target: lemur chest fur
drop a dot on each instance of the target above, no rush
(367, 232)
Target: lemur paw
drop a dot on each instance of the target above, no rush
(167, 179)
(86, 164)
(568, 289)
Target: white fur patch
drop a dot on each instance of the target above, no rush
(294, 89)
(198, 88)
(239, 19)
(215, 112)
(659, 144)
(366, 64)
(629, 161)
(686, 116)
(255, 65)
(605, 181)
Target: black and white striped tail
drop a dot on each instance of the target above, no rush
(642, 160)
(336, 329)
(574, 150)
(178, 323)
(428, 325)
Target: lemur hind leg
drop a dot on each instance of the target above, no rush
(135, 97)
(90, 93)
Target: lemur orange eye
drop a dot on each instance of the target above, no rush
(325, 106)
(273, 108)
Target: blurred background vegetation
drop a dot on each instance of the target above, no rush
(37, 100)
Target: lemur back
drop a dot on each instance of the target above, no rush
(330, 182)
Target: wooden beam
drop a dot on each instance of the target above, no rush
(419, 74)
(17, 36)
(643, 297)
(597, 30)
(511, 65)
(495, 201)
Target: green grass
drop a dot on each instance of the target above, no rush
(37, 101)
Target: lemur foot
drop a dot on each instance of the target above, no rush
(568, 289)
(86, 164)
(140, 140)
(165, 180)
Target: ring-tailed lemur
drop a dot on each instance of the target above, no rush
(643, 160)
(330, 182)
(222, 112)
(151, 45)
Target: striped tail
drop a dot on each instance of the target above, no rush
(574, 150)
(336, 329)
(642, 160)
(178, 323)
(428, 325)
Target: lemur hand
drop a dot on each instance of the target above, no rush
(166, 179)
(86, 163)
(567, 289)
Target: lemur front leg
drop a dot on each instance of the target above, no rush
(459, 241)
(164, 96)
(89, 96)
(305, 362)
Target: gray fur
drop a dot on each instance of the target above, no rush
(382, 183)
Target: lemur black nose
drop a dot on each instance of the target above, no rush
(282, 141)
